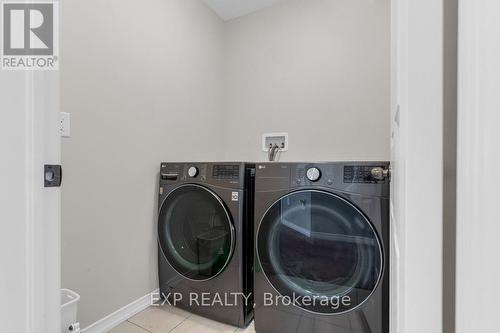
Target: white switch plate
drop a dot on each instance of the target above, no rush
(65, 125)
(270, 139)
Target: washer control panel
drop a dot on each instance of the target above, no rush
(231, 175)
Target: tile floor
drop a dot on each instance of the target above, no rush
(170, 319)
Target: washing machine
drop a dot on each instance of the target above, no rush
(322, 243)
(205, 239)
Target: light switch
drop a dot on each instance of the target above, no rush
(65, 125)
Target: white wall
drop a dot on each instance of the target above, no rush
(317, 69)
(478, 227)
(142, 81)
(417, 161)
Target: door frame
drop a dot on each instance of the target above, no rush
(30, 238)
(417, 166)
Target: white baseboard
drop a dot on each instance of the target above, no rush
(116, 318)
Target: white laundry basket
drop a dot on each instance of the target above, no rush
(69, 307)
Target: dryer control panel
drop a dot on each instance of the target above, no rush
(226, 171)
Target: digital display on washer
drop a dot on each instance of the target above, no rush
(226, 171)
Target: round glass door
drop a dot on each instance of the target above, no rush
(195, 232)
(319, 252)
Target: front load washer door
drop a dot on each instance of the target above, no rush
(319, 252)
(195, 232)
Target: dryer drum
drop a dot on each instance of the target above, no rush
(195, 232)
(317, 245)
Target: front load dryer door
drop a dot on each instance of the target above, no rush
(319, 252)
(195, 232)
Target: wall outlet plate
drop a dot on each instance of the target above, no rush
(270, 139)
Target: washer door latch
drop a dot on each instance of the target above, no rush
(52, 175)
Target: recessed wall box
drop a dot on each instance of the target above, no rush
(271, 139)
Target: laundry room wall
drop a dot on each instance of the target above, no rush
(317, 69)
(169, 80)
(142, 82)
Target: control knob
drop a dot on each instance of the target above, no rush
(313, 174)
(380, 173)
(193, 172)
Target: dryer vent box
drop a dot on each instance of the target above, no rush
(271, 139)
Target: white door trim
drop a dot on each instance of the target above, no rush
(45, 209)
(478, 226)
(417, 162)
(30, 213)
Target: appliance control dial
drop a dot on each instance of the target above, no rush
(193, 172)
(313, 174)
(380, 173)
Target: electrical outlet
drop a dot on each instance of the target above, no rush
(65, 124)
(271, 139)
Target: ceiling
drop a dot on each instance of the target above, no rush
(230, 9)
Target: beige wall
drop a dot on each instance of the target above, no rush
(317, 69)
(142, 81)
(168, 80)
